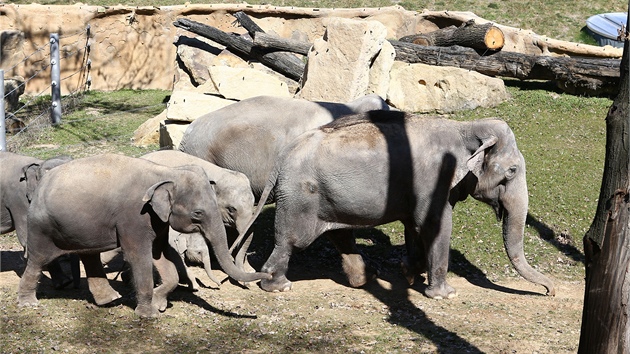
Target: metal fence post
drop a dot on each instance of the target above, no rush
(3, 128)
(55, 79)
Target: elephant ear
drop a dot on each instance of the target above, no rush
(475, 162)
(159, 196)
(30, 175)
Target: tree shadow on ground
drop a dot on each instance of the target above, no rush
(561, 242)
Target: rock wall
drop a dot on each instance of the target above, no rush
(133, 47)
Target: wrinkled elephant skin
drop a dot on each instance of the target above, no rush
(19, 176)
(247, 136)
(95, 204)
(382, 166)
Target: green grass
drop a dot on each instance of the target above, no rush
(94, 122)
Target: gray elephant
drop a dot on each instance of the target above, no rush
(19, 177)
(374, 168)
(248, 135)
(191, 249)
(234, 197)
(98, 203)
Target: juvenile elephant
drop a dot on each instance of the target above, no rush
(19, 176)
(248, 135)
(234, 197)
(374, 168)
(191, 248)
(98, 203)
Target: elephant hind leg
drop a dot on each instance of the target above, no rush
(35, 262)
(351, 260)
(415, 263)
(28, 284)
(98, 283)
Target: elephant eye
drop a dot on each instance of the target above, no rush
(231, 210)
(197, 216)
(511, 172)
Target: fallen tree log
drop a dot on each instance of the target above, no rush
(271, 42)
(485, 36)
(292, 69)
(574, 75)
(253, 29)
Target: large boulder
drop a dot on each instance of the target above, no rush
(339, 63)
(442, 89)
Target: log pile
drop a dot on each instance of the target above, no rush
(470, 46)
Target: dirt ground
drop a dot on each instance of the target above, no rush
(321, 313)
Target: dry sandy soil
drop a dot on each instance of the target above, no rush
(320, 314)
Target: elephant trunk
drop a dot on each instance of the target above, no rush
(218, 241)
(208, 268)
(515, 202)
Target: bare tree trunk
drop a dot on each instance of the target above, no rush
(605, 325)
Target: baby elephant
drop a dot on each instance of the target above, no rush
(98, 203)
(191, 249)
(234, 198)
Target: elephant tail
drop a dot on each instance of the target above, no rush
(259, 207)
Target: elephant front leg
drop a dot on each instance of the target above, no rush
(277, 265)
(98, 283)
(437, 239)
(351, 260)
(169, 276)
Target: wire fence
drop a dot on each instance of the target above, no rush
(34, 111)
(30, 116)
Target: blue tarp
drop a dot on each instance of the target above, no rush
(605, 27)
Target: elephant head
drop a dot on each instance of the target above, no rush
(191, 206)
(496, 175)
(33, 172)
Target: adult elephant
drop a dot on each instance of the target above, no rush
(374, 168)
(248, 135)
(98, 203)
(19, 176)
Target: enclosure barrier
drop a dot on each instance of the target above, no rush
(24, 116)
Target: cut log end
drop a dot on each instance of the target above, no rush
(494, 38)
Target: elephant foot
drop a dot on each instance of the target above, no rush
(101, 291)
(160, 303)
(356, 270)
(411, 271)
(147, 311)
(444, 291)
(280, 285)
(104, 299)
(29, 300)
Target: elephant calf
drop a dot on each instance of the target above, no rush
(98, 203)
(374, 168)
(234, 198)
